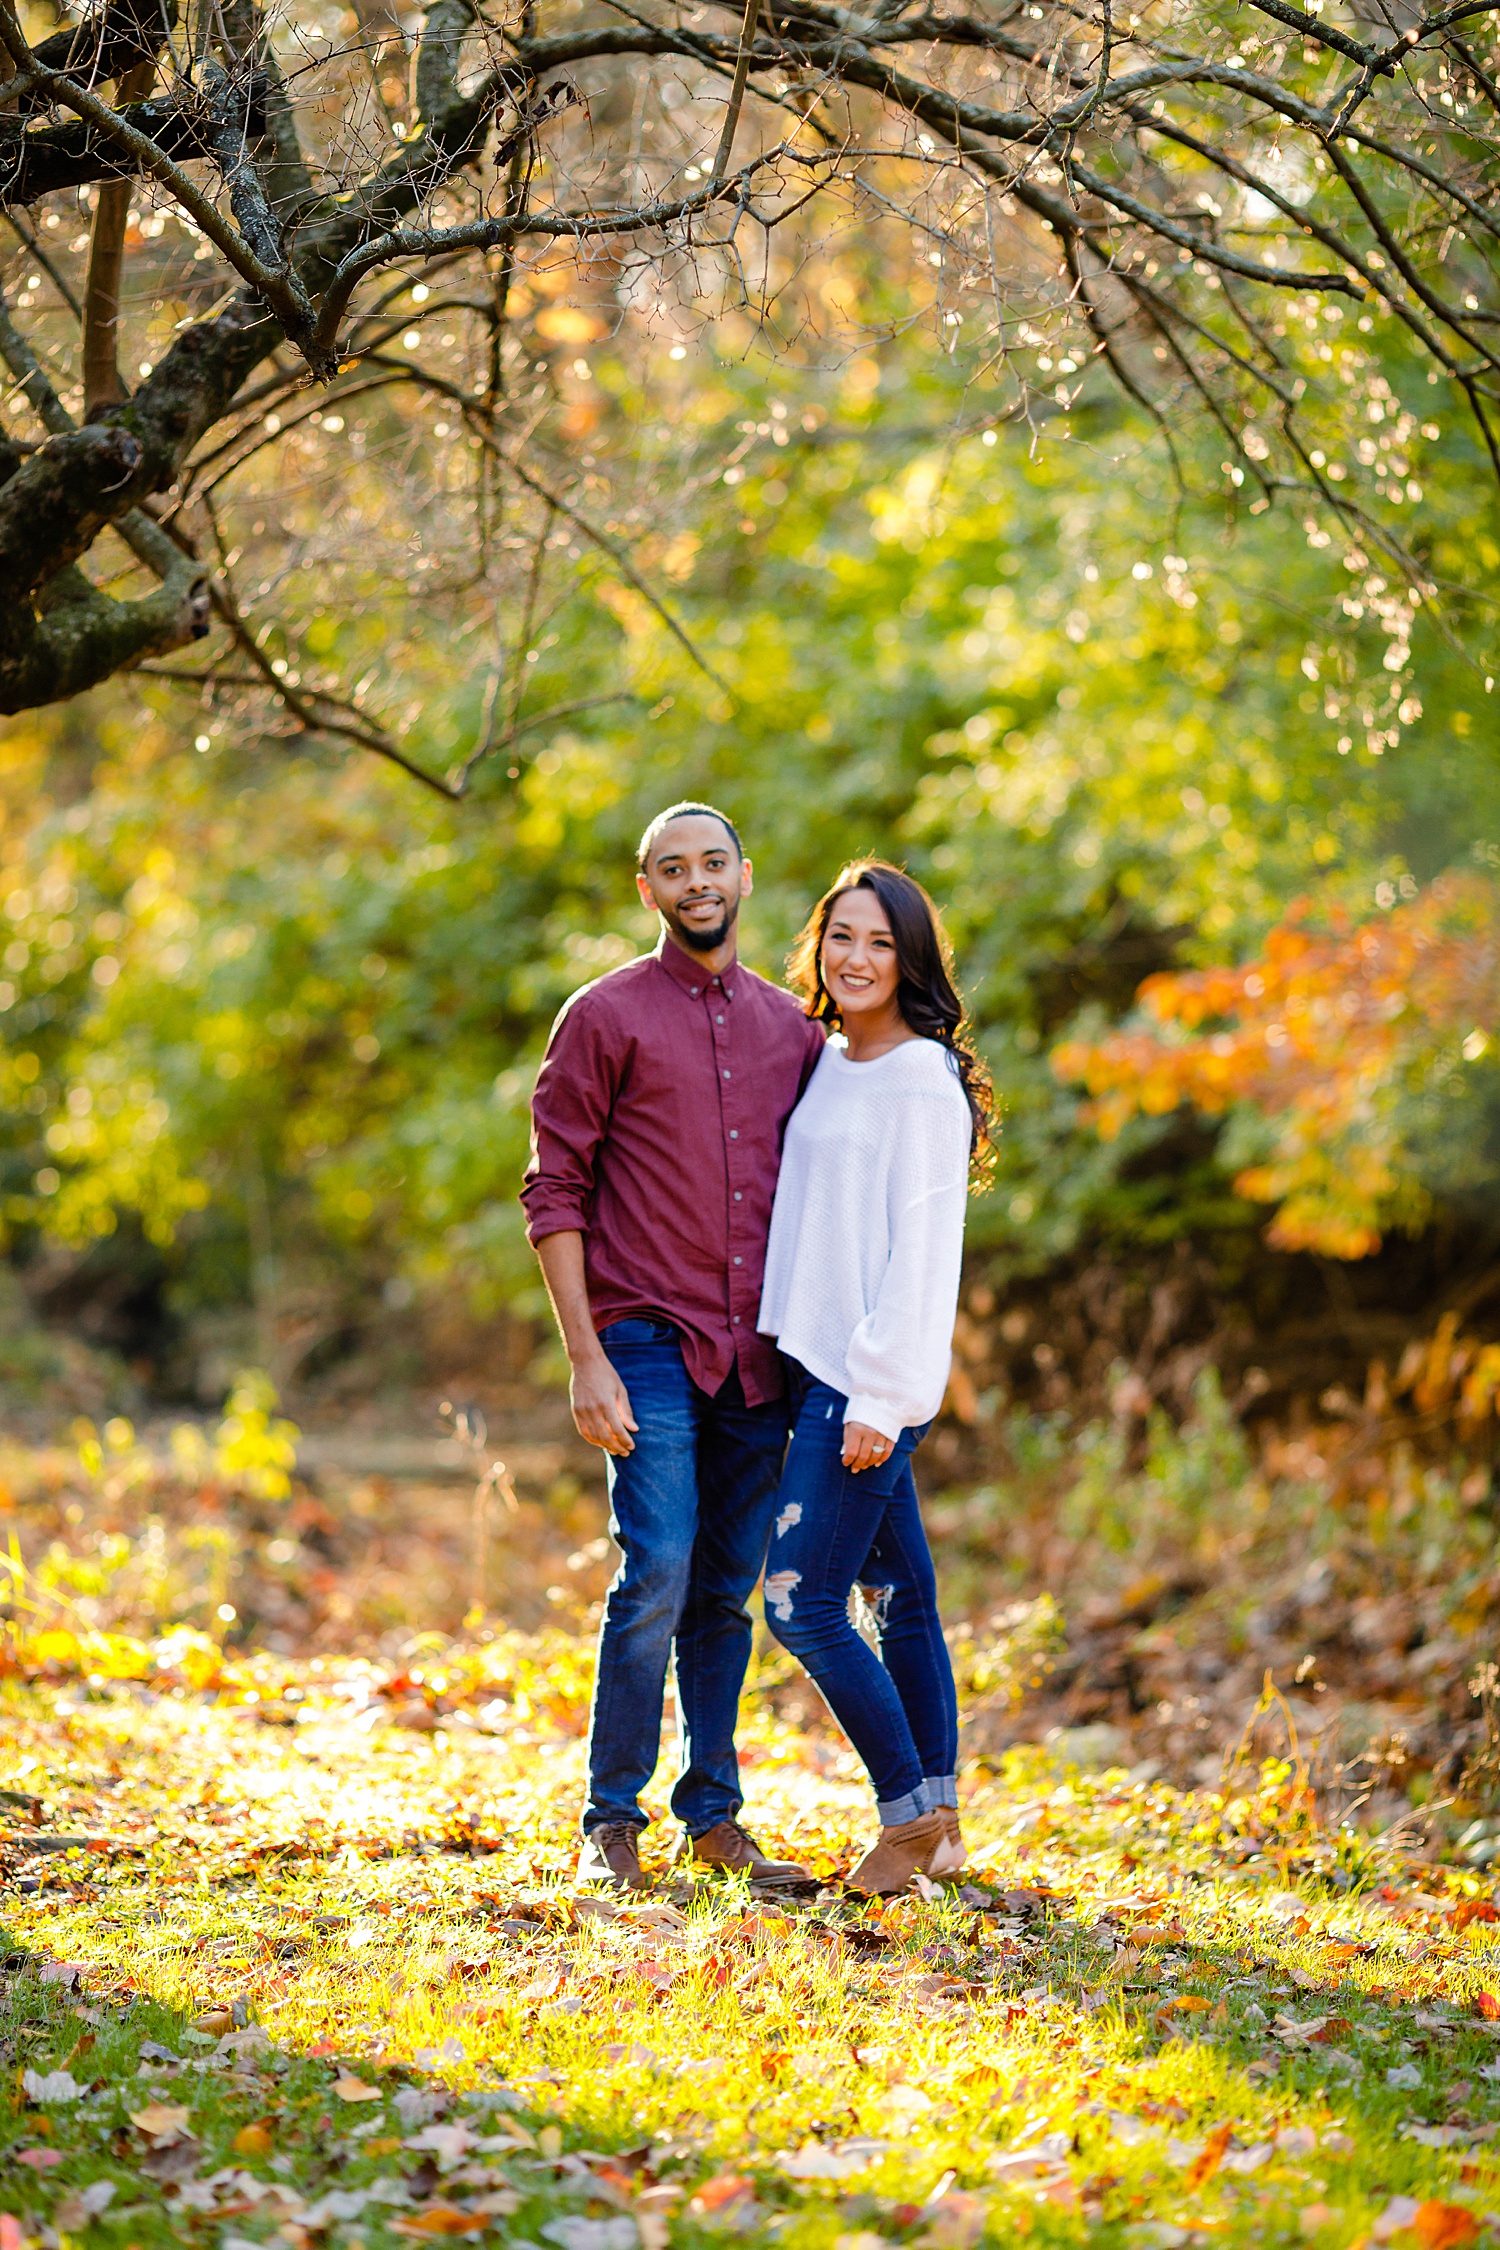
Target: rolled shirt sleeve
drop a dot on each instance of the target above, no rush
(570, 1110)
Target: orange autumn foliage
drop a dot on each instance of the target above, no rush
(1323, 1034)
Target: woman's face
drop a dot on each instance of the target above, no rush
(858, 958)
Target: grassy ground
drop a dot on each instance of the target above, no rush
(318, 1973)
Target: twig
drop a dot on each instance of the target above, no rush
(605, 545)
(736, 90)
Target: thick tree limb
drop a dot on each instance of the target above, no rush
(60, 157)
(1101, 135)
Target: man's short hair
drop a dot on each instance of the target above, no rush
(681, 812)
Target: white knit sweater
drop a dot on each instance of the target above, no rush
(867, 1231)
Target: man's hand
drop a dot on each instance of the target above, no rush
(601, 1405)
(864, 1448)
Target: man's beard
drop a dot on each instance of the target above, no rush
(705, 941)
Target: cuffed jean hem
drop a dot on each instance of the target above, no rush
(895, 1811)
(942, 1789)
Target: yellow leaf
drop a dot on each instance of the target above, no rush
(386, 2145)
(351, 2089)
(54, 1646)
(254, 2140)
(216, 2020)
(161, 2120)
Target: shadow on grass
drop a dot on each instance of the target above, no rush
(125, 2115)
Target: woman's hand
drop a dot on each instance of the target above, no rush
(865, 1448)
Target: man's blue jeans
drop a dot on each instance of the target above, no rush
(691, 1509)
(835, 1530)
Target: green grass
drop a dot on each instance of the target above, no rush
(1106, 2058)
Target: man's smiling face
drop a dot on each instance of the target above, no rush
(695, 879)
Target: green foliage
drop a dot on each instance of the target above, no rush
(284, 1017)
(1187, 1482)
(253, 1447)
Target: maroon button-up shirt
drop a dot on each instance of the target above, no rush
(656, 1135)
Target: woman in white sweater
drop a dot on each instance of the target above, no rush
(861, 1288)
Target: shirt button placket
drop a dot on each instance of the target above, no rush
(719, 997)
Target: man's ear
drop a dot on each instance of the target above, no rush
(747, 878)
(643, 887)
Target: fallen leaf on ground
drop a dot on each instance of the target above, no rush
(161, 2120)
(351, 2089)
(50, 2085)
(1444, 2226)
(1209, 2157)
(255, 2140)
(1316, 2217)
(447, 2143)
(815, 2162)
(84, 2204)
(1396, 2217)
(958, 2221)
(171, 2162)
(39, 2159)
(592, 2234)
(216, 2020)
(1295, 2033)
(1033, 2161)
(721, 2189)
(441, 2219)
(1487, 2006)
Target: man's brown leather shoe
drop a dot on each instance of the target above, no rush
(732, 1850)
(611, 1855)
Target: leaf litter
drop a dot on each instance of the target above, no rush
(337, 1984)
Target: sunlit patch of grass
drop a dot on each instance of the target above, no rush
(387, 2014)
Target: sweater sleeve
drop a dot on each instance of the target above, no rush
(899, 1355)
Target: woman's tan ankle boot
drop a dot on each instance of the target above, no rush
(951, 1856)
(900, 1853)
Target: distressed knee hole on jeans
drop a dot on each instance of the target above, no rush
(779, 1588)
(790, 1514)
(874, 1603)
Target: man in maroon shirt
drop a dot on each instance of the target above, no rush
(656, 1137)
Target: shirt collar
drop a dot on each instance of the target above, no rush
(691, 974)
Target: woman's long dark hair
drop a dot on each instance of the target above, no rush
(925, 991)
